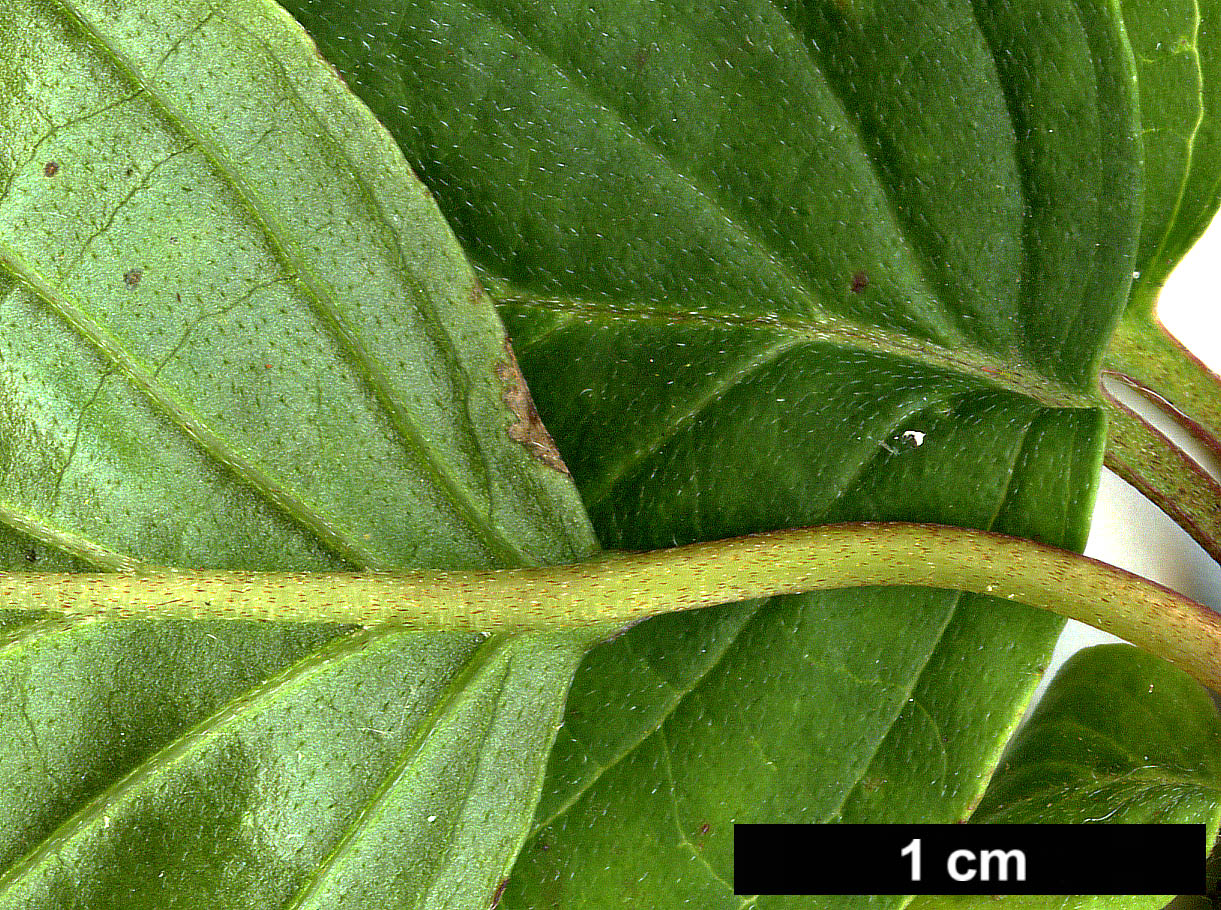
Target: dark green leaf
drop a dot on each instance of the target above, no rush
(774, 264)
(1177, 46)
(235, 332)
(1120, 737)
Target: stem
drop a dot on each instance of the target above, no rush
(1147, 357)
(624, 587)
(1165, 475)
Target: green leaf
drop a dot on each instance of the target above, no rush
(238, 334)
(772, 264)
(1177, 47)
(1120, 737)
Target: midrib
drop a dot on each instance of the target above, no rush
(980, 366)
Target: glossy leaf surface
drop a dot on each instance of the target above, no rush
(236, 332)
(1121, 737)
(1177, 48)
(773, 264)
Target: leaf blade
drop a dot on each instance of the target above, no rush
(1122, 737)
(275, 356)
(659, 195)
(1175, 46)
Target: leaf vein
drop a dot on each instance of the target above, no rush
(955, 602)
(212, 443)
(911, 238)
(631, 746)
(411, 753)
(1194, 48)
(1011, 374)
(710, 395)
(325, 659)
(797, 273)
(278, 238)
(684, 840)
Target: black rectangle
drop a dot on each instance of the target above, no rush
(969, 859)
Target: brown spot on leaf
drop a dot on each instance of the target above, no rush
(860, 281)
(50, 169)
(705, 828)
(500, 892)
(477, 297)
(528, 429)
(132, 277)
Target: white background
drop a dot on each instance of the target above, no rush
(1129, 531)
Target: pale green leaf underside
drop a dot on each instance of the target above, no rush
(1120, 737)
(181, 244)
(769, 264)
(235, 332)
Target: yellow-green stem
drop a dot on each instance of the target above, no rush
(1144, 457)
(623, 587)
(1144, 354)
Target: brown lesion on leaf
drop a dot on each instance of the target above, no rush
(50, 169)
(132, 277)
(500, 892)
(528, 428)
